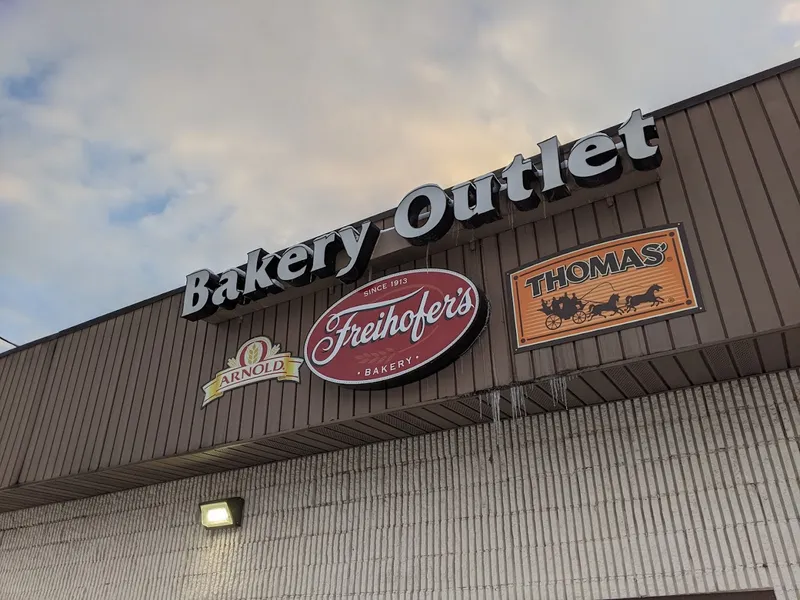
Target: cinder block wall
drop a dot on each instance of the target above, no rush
(695, 491)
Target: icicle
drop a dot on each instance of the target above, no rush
(494, 398)
(558, 390)
(497, 427)
(518, 412)
(517, 402)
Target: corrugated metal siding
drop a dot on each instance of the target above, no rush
(677, 493)
(22, 379)
(128, 389)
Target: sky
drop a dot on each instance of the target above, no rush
(141, 141)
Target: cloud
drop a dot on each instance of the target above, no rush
(142, 141)
(790, 13)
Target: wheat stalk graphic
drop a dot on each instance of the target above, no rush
(374, 357)
(252, 354)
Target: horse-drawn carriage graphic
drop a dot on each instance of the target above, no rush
(563, 309)
(610, 285)
(578, 310)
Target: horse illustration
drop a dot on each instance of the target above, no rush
(597, 310)
(631, 302)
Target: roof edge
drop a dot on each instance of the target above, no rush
(679, 106)
(726, 89)
(84, 324)
(676, 107)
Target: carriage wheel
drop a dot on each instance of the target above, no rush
(552, 322)
(579, 317)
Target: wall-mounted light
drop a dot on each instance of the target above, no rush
(222, 513)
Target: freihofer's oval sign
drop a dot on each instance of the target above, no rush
(396, 329)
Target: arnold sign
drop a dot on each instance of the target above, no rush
(596, 288)
(258, 359)
(396, 329)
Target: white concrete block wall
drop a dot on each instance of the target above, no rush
(695, 491)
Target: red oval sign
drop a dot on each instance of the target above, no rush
(396, 329)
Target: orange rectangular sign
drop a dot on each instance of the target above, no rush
(596, 288)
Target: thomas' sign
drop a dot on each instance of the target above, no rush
(622, 281)
(257, 360)
(396, 329)
(427, 213)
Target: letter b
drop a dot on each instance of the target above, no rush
(197, 295)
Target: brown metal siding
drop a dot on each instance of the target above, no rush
(50, 416)
(231, 429)
(180, 356)
(74, 400)
(164, 322)
(481, 361)
(276, 389)
(21, 405)
(262, 389)
(130, 345)
(95, 399)
(131, 385)
(778, 170)
(123, 331)
(72, 439)
(127, 389)
(566, 236)
(10, 380)
(292, 342)
(713, 244)
(182, 392)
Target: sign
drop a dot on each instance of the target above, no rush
(593, 161)
(396, 329)
(257, 360)
(267, 273)
(427, 213)
(596, 288)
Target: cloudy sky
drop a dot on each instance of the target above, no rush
(141, 140)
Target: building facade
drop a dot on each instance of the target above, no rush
(574, 377)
